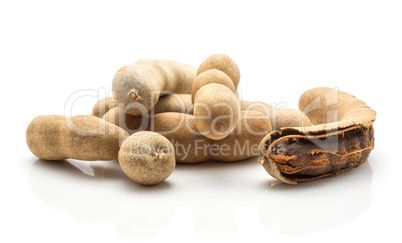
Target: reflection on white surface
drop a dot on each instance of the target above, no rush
(104, 197)
(316, 205)
(215, 191)
(99, 192)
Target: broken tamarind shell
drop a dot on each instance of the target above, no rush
(298, 154)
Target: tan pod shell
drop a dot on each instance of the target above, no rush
(222, 63)
(147, 158)
(192, 147)
(103, 106)
(173, 103)
(90, 138)
(209, 77)
(138, 86)
(216, 105)
(280, 118)
(216, 111)
(182, 104)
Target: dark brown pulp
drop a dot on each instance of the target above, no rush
(304, 157)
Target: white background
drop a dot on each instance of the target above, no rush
(51, 49)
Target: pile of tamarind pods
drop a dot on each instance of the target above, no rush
(164, 112)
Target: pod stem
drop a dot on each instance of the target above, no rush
(162, 156)
(261, 160)
(159, 156)
(133, 95)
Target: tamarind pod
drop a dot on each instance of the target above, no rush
(190, 145)
(222, 63)
(298, 154)
(217, 110)
(182, 103)
(173, 103)
(103, 106)
(208, 77)
(168, 103)
(54, 137)
(142, 83)
(280, 118)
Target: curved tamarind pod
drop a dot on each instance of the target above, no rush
(173, 103)
(193, 147)
(127, 122)
(190, 145)
(280, 118)
(140, 85)
(216, 104)
(298, 154)
(209, 77)
(103, 106)
(222, 63)
(216, 109)
(181, 103)
(169, 103)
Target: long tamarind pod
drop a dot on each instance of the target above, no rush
(190, 145)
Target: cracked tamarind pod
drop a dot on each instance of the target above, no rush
(342, 138)
(138, 86)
